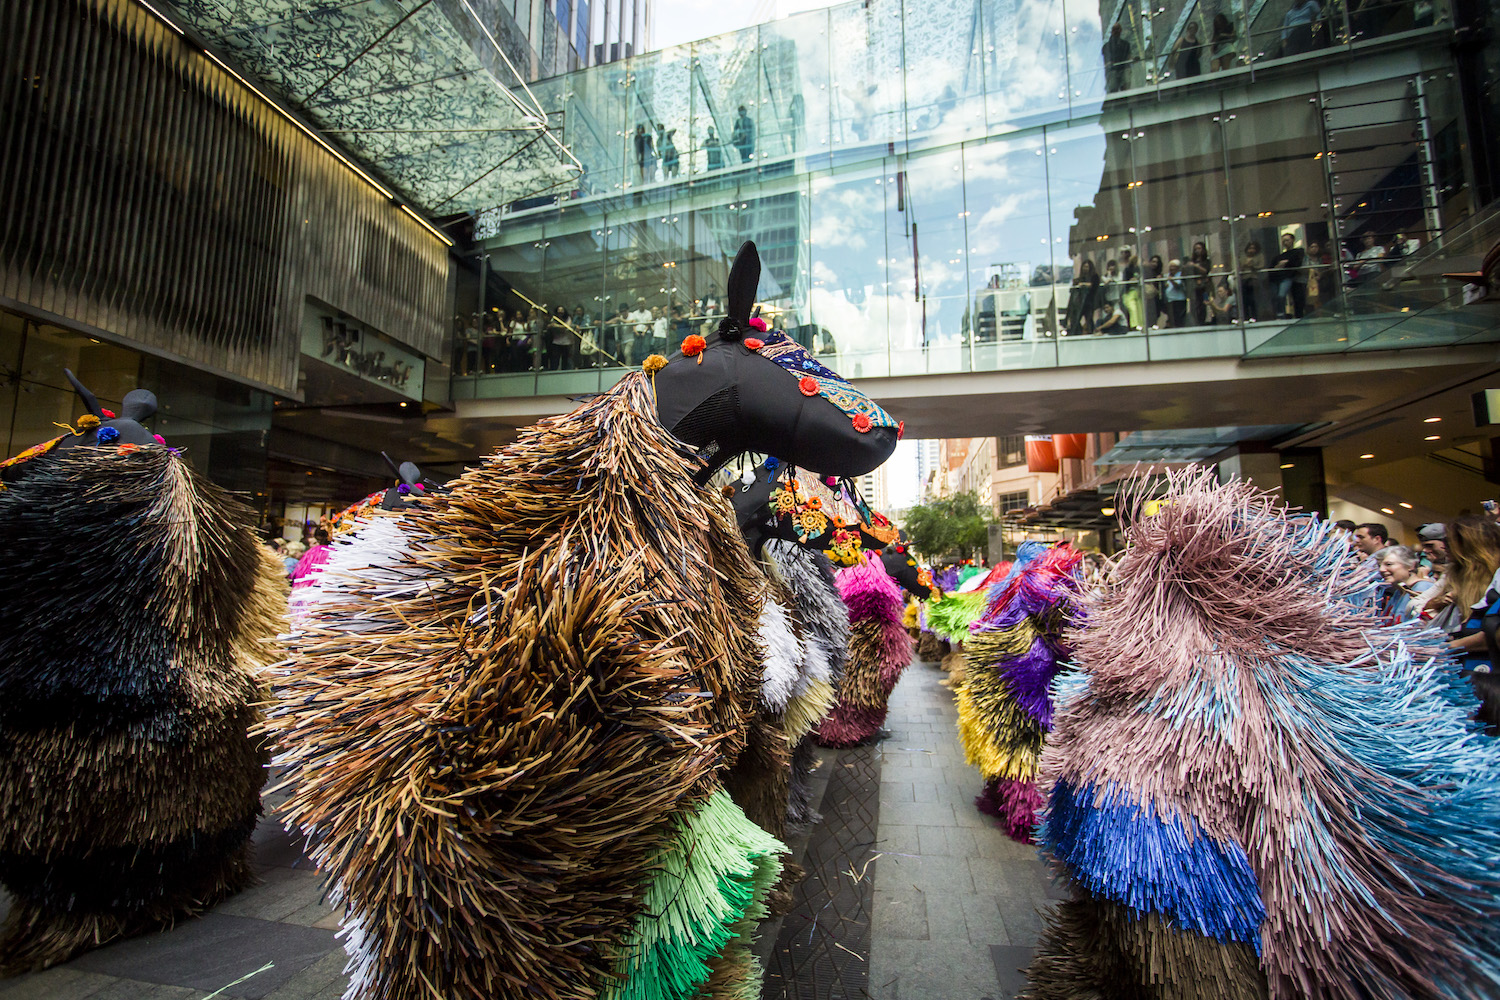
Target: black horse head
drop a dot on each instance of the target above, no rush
(735, 392)
(408, 485)
(902, 567)
(99, 427)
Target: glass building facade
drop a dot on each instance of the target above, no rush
(980, 186)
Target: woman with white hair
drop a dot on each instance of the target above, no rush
(1399, 596)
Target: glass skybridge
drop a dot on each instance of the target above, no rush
(979, 186)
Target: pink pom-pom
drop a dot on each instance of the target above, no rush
(756, 323)
(159, 439)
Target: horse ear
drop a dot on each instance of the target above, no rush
(138, 405)
(744, 279)
(89, 402)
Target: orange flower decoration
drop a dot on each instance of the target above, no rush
(694, 345)
(808, 385)
(862, 423)
(754, 343)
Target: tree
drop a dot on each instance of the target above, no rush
(957, 524)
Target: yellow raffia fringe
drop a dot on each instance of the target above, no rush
(806, 710)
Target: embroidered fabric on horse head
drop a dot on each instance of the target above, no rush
(794, 358)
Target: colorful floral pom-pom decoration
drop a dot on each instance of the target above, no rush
(653, 364)
(108, 434)
(808, 385)
(87, 422)
(693, 345)
(159, 439)
(757, 324)
(108, 413)
(754, 343)
(900, 430)
(862, 423)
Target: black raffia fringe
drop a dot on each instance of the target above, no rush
(140, 613)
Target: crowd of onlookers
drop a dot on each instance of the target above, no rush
(1132, 294)
(532, 339)
(1453, 584)
(1218, 43)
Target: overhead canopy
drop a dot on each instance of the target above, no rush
(1183, 446)
(419, 89)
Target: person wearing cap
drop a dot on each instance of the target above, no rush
(1434, 539)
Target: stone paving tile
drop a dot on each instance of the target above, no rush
(901, 915)
(213, 951)
(54, 984)
(1010, 964)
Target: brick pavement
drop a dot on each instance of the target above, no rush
(952, 900)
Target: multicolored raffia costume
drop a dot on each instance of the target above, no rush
(140, 613)
(879, 649)
(1257, 790)
(506, 723)
(1005, 701)
(809, 578)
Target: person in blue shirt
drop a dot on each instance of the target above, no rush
(1398, 567)
(1297, 27)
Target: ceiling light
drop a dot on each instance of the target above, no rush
(1433, 437)
(1106, 511)
(1386, 510)
(1433, 420)
(1367, 456)
(403, 403)
(1403, 503)
(1289, 465)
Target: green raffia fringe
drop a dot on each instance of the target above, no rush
(950, 617)
(702, 904)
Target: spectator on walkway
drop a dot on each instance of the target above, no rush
(1399, 596)
(1371, 537)
(560, 341)
(1189, 52)
(1297, 27)
(1322, 283)
(1119, 54)
(742, 137)
(536, 338)
(713, 146)
(659, 329)
(645, 154)
(1370, 259)
(1253, 284)
(1082, 300)
(1290, 279)
(1197, 270)
(640, 333)
(1110, 291)
(1152, 294)
(671, 162)
(1131, 296)
(1176, 296)
(1221, 307)
(1224, 45)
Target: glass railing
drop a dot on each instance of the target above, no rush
(899, 75)
(1402, 302)
(1140, 231)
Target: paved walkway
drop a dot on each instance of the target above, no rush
(956, 901)
(911, 894)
